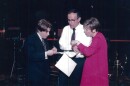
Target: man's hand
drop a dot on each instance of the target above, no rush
(52, 51)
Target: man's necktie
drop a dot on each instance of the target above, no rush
(73, 34)
(44, 45)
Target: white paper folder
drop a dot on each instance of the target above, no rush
(66, 65)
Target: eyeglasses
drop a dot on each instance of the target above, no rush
(72, 20)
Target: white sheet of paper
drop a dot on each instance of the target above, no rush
(71, 54)
(60, 53)
(66, 65)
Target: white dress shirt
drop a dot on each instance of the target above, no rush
(65, 38)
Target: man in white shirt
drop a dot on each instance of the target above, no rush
(64, 42)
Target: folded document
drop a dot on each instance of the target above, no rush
(66, 64)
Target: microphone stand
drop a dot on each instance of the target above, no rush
(117, 67)
(119, 70)
(14, 57)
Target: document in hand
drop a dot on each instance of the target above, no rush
(66, 65)
(71, 54)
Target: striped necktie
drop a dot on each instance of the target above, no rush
(44, 44)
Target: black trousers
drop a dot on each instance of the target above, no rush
(38, 74)
(75, 78)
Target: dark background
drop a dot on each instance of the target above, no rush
(114, 15)
(19, 17)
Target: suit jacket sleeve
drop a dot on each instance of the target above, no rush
(92, 49)
(34, 49)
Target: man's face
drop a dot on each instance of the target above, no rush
(73, 20)
(45, 34)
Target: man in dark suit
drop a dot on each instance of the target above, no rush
(37, 52)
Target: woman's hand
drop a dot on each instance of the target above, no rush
(75, 49)
(74, 42)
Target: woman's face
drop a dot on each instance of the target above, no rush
(89, 32)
